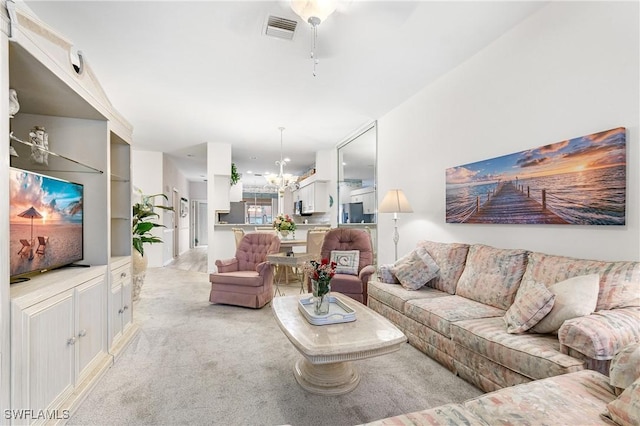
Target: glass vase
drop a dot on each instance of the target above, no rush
(284, 234)
(320, 290)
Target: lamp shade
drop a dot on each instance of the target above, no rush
(319, 9)
(395, 201)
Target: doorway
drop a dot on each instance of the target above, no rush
(198, 228)
(176, 223)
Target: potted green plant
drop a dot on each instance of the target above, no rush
(235, 176)
(142, 226)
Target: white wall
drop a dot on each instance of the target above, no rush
(147, 175)
(218, 172)
(569, 70)
(198, 191)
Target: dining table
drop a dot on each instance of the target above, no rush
(286, 246)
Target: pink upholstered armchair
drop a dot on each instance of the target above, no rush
(354, 286)
(247, 279)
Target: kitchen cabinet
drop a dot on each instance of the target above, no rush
(367, 197)
(314, 197)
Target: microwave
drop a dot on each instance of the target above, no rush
(297, 209)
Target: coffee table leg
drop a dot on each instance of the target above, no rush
(326, 379)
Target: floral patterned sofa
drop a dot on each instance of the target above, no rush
(585, 397)
(459, 317)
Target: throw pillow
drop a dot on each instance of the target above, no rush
(415, 269)
(385, 275)
(625, 410)
(347, 261)
(625, 366)
(530, 306)
(492, 276)
(575, 297)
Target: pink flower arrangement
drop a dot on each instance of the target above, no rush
(284, 222)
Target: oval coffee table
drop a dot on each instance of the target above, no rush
(327, 350)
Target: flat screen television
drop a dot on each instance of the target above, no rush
(45, 223)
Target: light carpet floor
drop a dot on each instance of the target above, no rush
(197, 363)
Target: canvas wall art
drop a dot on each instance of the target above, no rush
(580, 181)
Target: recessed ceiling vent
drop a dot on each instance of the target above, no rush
(280, 27)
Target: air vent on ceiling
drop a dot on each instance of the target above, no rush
(280, 27)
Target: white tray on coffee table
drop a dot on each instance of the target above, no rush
(338, 311)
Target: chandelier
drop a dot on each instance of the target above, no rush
(314, 12)
(281, 180)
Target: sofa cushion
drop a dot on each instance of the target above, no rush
(602, 334)
(529, 308)
(396, 296)
(239, 278)
(449, 414)
(625, 366)
(415, 269)
(451, 258)
(619, 281)
(347, 261)
(576, 398)
(385, 275)
(491, 275)
(438, 314)
(625, 410)
(575, 297)
(536, 356)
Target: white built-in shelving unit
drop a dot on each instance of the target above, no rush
(63, 328)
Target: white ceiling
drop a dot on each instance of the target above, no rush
(186, 73)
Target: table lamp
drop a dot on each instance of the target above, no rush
(395, 202)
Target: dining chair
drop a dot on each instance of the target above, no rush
(238, 233)
(315, 237)
(266, 229)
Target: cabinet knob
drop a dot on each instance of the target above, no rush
(123, 274)
(120, 311)
(125, 307)
(82, 333)
(71, 341)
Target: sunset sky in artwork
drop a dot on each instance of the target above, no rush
(57, 201)
(598, 150)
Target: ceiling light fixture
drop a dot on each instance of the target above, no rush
(314, 12)
(281, 180)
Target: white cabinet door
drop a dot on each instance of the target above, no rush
(115, 326)
(50, 338)
(315, 197)
(309, 195)
(127, 311)
(368, 203)
(92, 322)
(321, 197)
(120, 310)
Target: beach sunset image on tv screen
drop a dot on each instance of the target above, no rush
(46, 219)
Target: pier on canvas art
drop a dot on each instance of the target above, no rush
(578, 181)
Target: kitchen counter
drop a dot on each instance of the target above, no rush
(252, 226)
